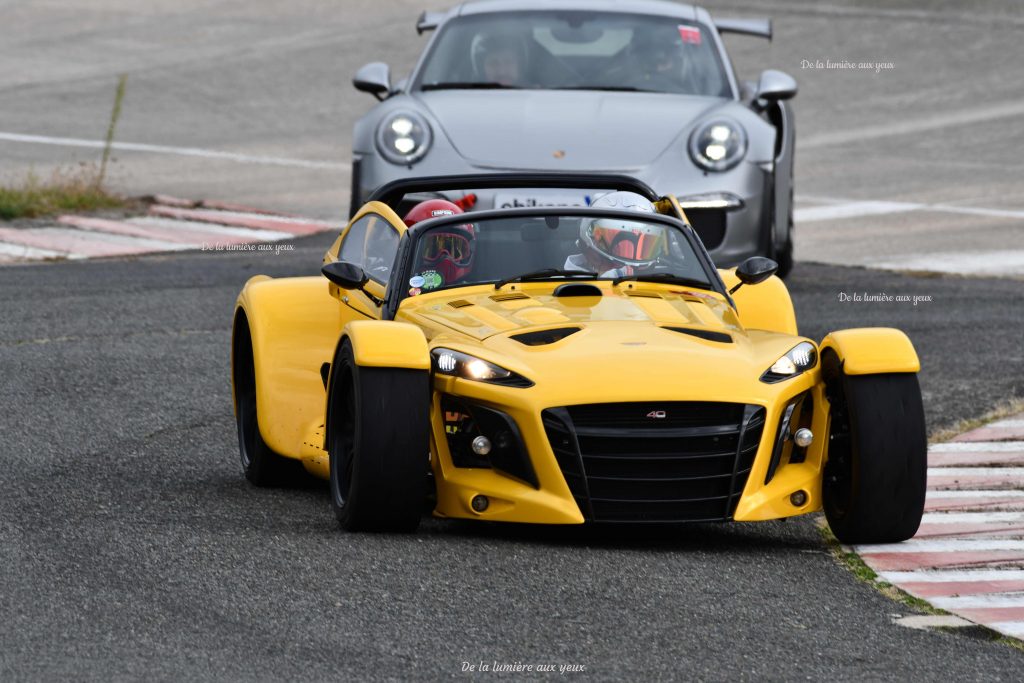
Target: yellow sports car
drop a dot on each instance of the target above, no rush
(567, 365)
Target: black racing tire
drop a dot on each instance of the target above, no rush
(261, 465)
(874, 482)
(379, 444)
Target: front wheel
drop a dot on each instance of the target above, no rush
(378, 444)
(876, 474)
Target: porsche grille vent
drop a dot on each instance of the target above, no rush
(511, 296)
(460, 303)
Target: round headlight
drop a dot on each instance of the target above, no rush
(718, 145)
(403, 137)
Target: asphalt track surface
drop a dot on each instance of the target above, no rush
(133, 548)
(130, 545)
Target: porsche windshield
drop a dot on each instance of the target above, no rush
(575, 50)
(493, 250)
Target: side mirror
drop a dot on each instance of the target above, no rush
(374, 78)
(754, 270)
(776, 85)
(344, 274)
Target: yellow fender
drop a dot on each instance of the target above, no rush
(764, 306)
(293, 324)
(387, 344)
(872, 350)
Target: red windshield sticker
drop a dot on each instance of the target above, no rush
(690, 34)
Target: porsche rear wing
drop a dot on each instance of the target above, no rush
(762, 28)
(393, 192)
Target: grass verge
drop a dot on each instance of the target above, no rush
(1013, 406)
(863, 572)
(76, 189)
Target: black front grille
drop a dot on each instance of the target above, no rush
(655, 462)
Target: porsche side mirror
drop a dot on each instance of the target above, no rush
(374, 78)
(754, 270)
(344, 274)
(776, 85)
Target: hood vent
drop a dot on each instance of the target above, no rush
(577, 289)
(545, 337)
(460, 303)
(511, 296)
(644, 294)
(709, 335)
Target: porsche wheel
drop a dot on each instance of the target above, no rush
(378, 444)
(875, 477)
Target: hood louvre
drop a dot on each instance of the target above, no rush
(512, 296)
(644, 294)
(709, 335)
(460, 303)
(544, 337)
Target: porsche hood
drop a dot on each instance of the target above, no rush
(561, 129)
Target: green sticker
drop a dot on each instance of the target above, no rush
(431, 279)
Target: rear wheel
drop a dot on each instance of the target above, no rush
(378, 444)
(261, 465)
(875, 478)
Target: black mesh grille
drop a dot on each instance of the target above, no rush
(655, 462)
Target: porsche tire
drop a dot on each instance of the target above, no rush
(874, 481)
(378, 444)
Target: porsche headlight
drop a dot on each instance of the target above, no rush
(801, 357)
(403, 137)
(718, 145)
(458, 364)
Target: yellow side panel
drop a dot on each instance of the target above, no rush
(871, 350)
(295, 324)
(764, 306)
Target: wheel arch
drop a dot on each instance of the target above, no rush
(764, 306)
(871, 350)
(381, 344)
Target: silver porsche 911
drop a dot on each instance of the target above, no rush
(637, 87)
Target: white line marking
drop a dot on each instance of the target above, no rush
(271, 217)
(851, 210)
(966, 545)
(1010, 628)
(1007, 424)
(952, 575)
(179, 151)
(1006, 473)
(965, 263)
(839, 209)
(979, 601)
(989, 112)
(19, 251)
(978, 446)
(971, 517)
(211, 228)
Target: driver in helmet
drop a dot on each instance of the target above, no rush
(616, 247)
(445, 255)
(499, 58)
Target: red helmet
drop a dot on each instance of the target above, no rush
(432, 208)
(448, 251)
